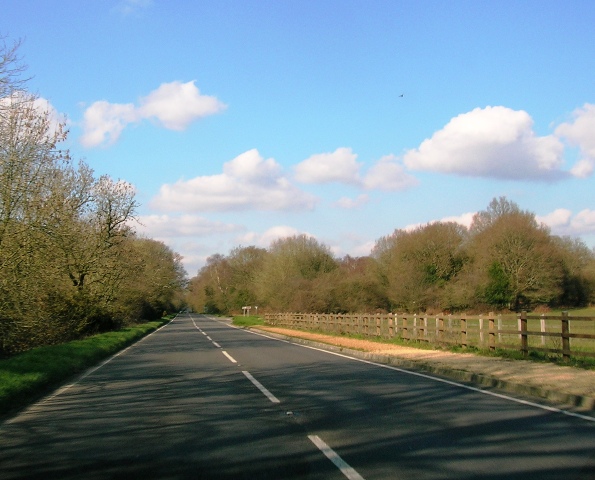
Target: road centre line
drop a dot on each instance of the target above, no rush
(341, 464)
(441, 380)
(260, 386)
(216, 344)
(232, 360)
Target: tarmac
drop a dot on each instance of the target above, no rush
(563, 386)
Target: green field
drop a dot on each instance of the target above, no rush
(247, 321)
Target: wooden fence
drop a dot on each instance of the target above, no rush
(558, 334)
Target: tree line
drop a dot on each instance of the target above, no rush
(506, 260)
(70, 261)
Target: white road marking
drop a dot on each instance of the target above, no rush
(341, 464)
(442, 380)
(259, 385)
(233, 360)
(216, 344)
(80, 378)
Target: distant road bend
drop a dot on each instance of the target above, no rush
(202, 399)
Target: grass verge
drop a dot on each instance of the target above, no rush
(586, 363)
(247, 321)
(27, 376)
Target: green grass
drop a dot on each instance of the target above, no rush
(27, 376)
(249, 321)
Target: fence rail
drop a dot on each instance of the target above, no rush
(523, 332)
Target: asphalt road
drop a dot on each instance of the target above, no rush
(201, 399)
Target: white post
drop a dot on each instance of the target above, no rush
(481, 329)
(542, 320)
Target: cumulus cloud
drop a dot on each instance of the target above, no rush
(338, 166)
(495, 142)
(173, 105)
(247, 182)
(388, 174)
(581, 132)
(30, 105)
(465, 219)
(103, 122)
(265, 239)
(563, 222)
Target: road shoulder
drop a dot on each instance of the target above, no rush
(558, 384)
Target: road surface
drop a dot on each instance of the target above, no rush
(201, 399)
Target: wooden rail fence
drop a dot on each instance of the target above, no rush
(540, 333)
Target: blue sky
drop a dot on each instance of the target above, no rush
(239, 122)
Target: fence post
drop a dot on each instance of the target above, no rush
(491, 333)
(565, 337)
(481, 329)
(542, 322)
(464, 330)
(415, 326)
(405, 333)
(524, 337)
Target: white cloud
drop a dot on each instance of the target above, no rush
(31, 106)
(251, 167)
(563, 222)
(174, 105)
(559, 218)
(581, 132)
(388, 174)
(494, 142)
(265, 239)
(338, 166)
(177, 104)
(364, 249)
(103, 122)
(465, 219)
(351, 203)
(247, 182)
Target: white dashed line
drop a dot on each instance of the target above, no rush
(341, 464)
(233, 360)
(259, 385)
